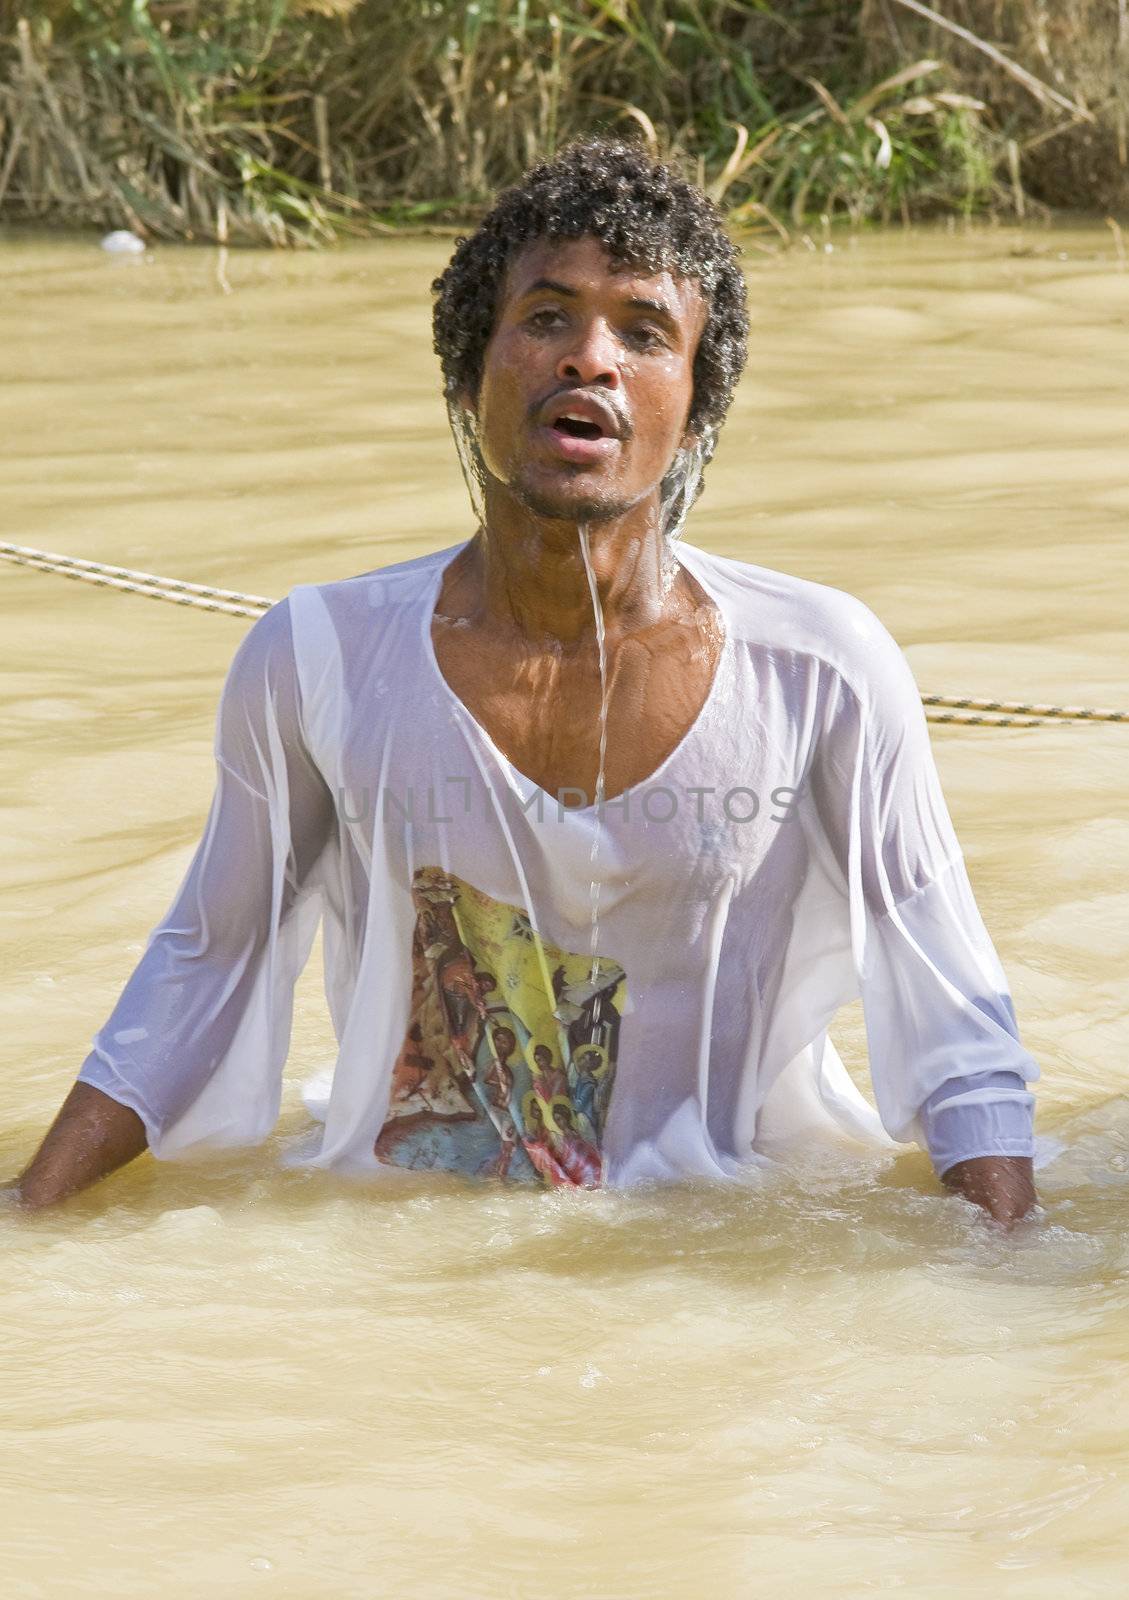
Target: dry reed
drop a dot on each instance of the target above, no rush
(287, 122)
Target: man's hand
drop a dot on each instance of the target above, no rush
(1003, 1186)
(91, 1136)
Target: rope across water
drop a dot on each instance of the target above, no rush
(176, 591)
(941, 708)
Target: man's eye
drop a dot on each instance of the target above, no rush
(546, 317)
(646, 337)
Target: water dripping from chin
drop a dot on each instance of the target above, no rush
(601, 760)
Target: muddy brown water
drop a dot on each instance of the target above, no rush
(835, 1383)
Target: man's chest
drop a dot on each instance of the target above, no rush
(423, 780)
(559, 719)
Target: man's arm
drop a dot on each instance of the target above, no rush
(211, 995)
(90, 1138)
(979, 1132)
(1003, 1186)
(946, 1060)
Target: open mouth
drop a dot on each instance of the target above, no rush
(585, 428)
(578, 427)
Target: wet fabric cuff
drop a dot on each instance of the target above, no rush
(987, 1114)
(99, 1074)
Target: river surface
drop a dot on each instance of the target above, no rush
(235, 1380)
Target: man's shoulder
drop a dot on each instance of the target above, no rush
(394, 584)
(777, 611)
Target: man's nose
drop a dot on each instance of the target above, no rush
(592, 359)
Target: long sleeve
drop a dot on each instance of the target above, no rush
(946, 1061)
(198, 1039)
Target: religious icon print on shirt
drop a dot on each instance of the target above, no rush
(509, 1060)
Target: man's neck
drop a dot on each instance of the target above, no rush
(527, 572)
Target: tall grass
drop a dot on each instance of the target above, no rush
(302, 120)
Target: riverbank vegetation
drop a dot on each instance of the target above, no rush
(292, 121)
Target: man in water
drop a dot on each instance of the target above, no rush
(699, 787)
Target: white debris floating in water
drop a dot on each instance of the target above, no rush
(123, 243)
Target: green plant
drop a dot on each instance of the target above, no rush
(298, 121)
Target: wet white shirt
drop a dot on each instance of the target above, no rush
(793, 852)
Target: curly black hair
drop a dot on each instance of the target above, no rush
(643, 213)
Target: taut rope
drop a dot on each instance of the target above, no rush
(149, 584)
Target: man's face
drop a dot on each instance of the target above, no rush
(587, 380)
